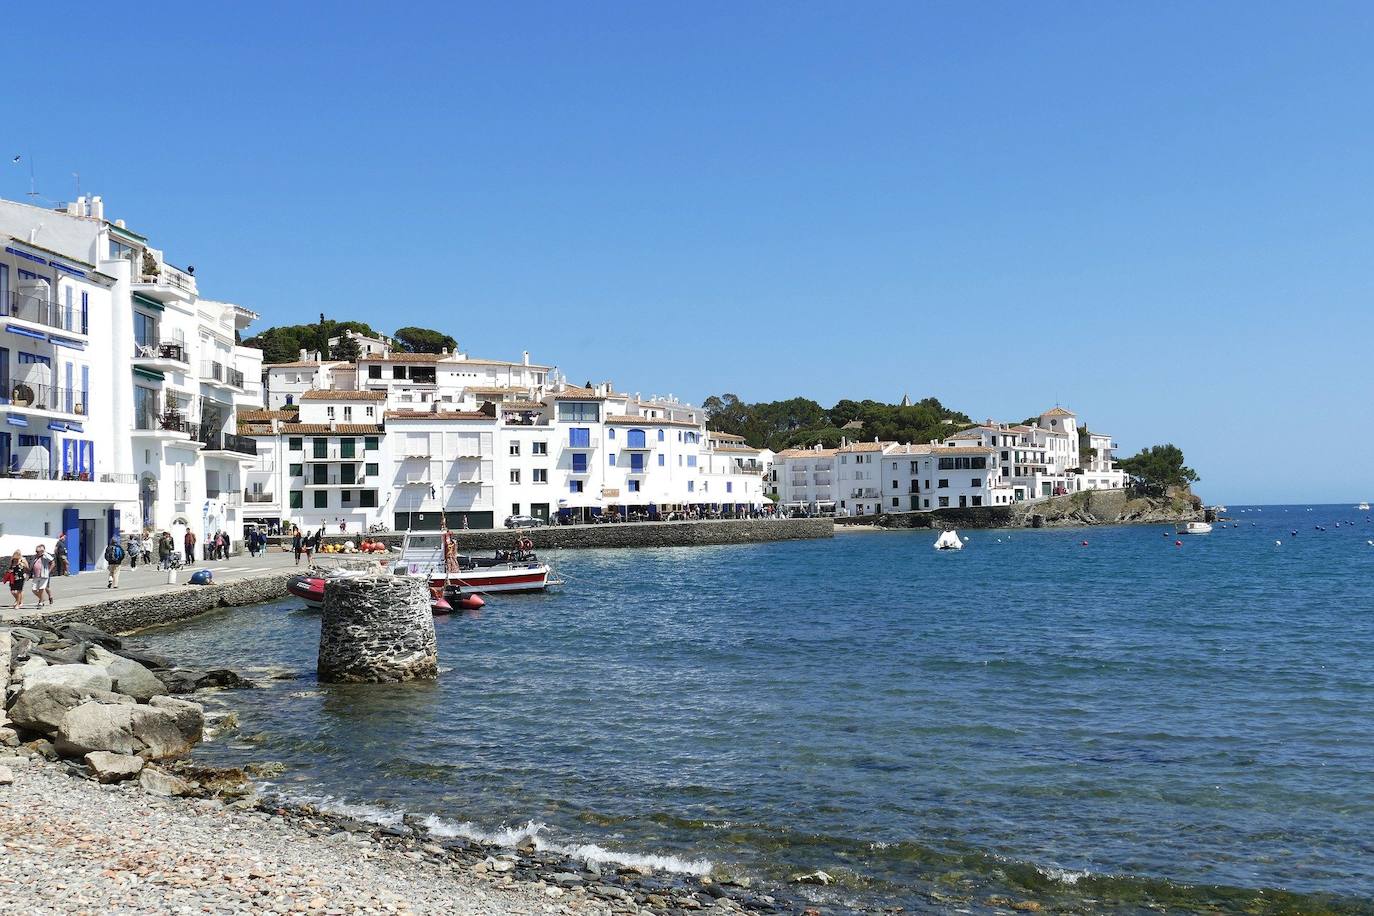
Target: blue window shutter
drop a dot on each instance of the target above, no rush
(612, 457)
(660, 461)
(660, 435)
(635, 438)
(610, 433)
(86, 387)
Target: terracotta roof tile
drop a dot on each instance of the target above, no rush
(251, 416)
(575, 393)
(439, 415)
(1058, 412)
(806, 453)
(330, 394)
(865, 446)
(405, 358)
(717, 434)
(344, 429)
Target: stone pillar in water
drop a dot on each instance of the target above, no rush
(377, 629)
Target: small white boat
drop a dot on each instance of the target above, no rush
(1363, 507)
(1196, 528)
(949, 540)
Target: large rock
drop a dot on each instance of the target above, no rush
(42, 708)
(189, 717)
(150, 733)
(59, 654)
(89, 677)
(144, 657)
(84, 632)
(157, 782)
(128, 676)
(32, 634)
(24, 669)
(188, 680)
(108, 767)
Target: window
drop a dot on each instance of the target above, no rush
(977, 500)
(515, 475)
(944, 502)
(297, 499)
(367, 499)
(539, 448)
(976, 482)
(329, 412)
(579, 412)
(896, 504)
(515, 449)
(660, 459)
(729, 487)
(944, 483)
(660, 435)
(370, 469)
(297, 470)
(611, 456)
(321, 474)
(579, 463)
(374, 371)
(295, 444)
(346, 446)
(345, 497)
(514, 508)
(610, 433)
(580, 437)
(398, 371)
(894, 484)
(370, 443)
(321, 448)
(927, 502)
(691, 461)
(634, 486)
(321, 499)
(635, 438)
(540, 475)
(371, 411)
(691, 486)
(574, 486)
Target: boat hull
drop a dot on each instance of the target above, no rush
(534, 578)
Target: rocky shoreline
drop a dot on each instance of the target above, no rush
(103, 810)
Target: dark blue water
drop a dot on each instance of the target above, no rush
(1118, 726)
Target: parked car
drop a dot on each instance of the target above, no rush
(524, 521)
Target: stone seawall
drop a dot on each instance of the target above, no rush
(1091, 507)
(629, 534)
(124, 615)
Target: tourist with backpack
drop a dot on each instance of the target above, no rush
(114, 562)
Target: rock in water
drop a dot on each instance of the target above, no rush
(150, 733)
(88, 677)
(377, 629)
(160, 783)
(42, 708)
(84, 632)
(187, 680)
(108, 767)
(189, 717)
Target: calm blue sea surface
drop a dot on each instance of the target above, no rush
(1112, 727)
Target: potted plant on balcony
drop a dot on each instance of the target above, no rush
(150, 268)
(22, 395)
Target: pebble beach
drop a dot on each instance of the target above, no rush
(72, 845)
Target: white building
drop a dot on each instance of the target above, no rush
(804, 480)
(152, 367)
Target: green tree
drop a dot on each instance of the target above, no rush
(283, 344)
(424, 340)
(1160, 466)
(347, 348)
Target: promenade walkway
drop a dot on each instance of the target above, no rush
(88, 588)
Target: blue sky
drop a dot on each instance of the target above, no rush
(1156, 214)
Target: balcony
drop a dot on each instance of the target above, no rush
(157, 423)
(214, 373)
(863, 493)
(167, 285)
(338, 480)
(336, 453)
(638, 470)
(590, 443)
(229, 442)
(254, 498)
(46, 398)
(43, 316)
(163, 355)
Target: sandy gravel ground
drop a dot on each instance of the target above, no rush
(68, 845)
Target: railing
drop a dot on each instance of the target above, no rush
(868, 493)
(251, 497)
(168, 275)
(335, 453)
(85, 477)
(229, 442)
(232, 498)
(164, 421)
(336, 480)
(592, 442)
(41, 311)
(639, 469)
(174, 349)
(823, 481)
(44, 397)
(209, 369)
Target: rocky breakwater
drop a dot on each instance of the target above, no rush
(377, 629)
(76, 693)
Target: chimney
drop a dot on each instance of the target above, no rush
(97, 208)
(443, 351)
(526, 355)
(302, 354)
(120, 224)
(75, 207)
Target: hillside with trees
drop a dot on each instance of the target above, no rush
(283, 344)
(801, 422)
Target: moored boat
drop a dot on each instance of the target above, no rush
(1196, 528)
(949, 540)
(309, 587)
(434, 556)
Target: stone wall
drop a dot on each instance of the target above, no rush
(377, 629)
(630, 534)
(124, 615)
(1091, 507)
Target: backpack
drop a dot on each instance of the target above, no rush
(116, 553)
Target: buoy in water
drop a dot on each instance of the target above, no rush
(1083, 544)
(1178, 543)
(471, 602)
(1278, 543)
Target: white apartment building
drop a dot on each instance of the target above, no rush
(145, 374)
(804, 480)
(284, 383)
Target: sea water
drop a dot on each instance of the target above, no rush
(1097, 718)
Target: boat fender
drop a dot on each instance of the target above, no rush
(1083, 544)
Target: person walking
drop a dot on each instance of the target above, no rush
(164, 551)
(190, 544)
(114, 562)
(15, 575)
(60, 563)
(40, 570)
(133, 547)
(297, 544)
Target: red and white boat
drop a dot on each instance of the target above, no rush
(309, 587)
(434, 556)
